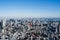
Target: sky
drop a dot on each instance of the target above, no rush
(29, 8)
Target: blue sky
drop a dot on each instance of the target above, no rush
(29, 8)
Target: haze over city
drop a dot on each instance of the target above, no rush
(29, 19)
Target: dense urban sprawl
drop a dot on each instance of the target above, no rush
(30, 29)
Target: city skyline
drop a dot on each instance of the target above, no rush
(30, 8)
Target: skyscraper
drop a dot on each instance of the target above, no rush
(1, 24)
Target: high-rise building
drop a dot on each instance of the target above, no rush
(1, 24)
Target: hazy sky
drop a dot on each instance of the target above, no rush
(29, 8)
